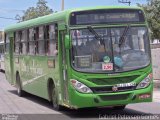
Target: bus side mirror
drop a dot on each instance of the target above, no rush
(67, 42)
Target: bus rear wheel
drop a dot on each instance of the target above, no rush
(20, 92)
(122, 107)
(54, 95)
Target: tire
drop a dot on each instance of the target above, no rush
(122, 107)
(20, 92)
(54, 96)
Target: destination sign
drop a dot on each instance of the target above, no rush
(106, 16)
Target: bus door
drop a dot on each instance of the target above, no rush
(8, 56)
(63, 68)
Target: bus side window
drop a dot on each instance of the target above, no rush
(32, 45)
(41, 41)
(24, 43)
(17, 42)
(51, 41)
(47, 39)
(14, 42)
(6, 43)
(27, 41)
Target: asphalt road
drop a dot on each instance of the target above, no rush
(34, 108)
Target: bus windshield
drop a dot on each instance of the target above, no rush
(118, 49)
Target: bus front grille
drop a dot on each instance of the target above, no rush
(109, 89)
(113, 81)
(114, 97)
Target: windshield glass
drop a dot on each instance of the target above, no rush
(116, 50)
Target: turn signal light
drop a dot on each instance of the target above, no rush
(144, 96)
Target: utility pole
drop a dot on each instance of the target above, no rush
(125, 1)
(62, 7)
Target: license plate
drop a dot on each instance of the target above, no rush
(126, 85)
(107, 66)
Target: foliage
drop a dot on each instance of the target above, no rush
(152, 10)
(41, 9)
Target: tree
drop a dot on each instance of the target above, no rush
(41, 9)
(152, 10)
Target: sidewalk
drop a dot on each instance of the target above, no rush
(156, 92)
(156, 95)
(156, 84)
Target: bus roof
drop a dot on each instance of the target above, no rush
(59, 16)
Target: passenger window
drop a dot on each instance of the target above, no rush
(52, 32)
(41, 41)
(24, 42)
(17, 42)
(6, 43)
(32, 40)
(51, 41)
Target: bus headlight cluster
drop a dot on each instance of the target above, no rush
(80, 86)
(146, 82)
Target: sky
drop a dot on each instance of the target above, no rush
(10, 8)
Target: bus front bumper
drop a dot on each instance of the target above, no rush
(80, 100)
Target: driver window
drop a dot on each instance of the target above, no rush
(120, 42)
(138, 39)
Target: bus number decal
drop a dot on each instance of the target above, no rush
(107, 66)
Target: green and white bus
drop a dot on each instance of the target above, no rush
(92, 57)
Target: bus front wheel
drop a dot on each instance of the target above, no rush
(20, 92)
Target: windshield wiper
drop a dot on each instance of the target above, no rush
(122, 38)
(97, 36)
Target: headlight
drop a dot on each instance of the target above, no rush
(145, 83)
(80, 86)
